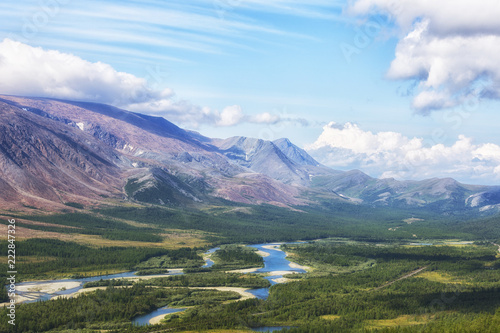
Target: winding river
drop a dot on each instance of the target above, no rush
(28, 290)
(275, 266)
(208, 261)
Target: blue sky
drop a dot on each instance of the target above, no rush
(318, 72)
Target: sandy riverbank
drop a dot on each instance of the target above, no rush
(275, 273)
(282, 280)
(244, 271)
(275, 247)
(83, 291)
(32, 291)
(295, 265)
(47, 287)
(158, 319)
(262, 253)
(148, 277)
(242, 291)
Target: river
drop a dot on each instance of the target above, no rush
(45, 290)
(275, 264)
(208, 261)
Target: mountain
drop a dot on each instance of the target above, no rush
(263, 157)
(56, 135)
(55, 153)
(442, 195)
(294, 153)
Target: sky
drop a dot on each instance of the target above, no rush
(396, 88)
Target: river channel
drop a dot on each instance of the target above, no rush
(275, 266)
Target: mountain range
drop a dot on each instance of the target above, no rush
(56, 153)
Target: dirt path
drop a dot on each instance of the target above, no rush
(401, 278)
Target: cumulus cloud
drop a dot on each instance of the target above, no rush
(449, 46)
(31, 71)
(391, 154)
(265, 118)
(230, 116)
(36, 72)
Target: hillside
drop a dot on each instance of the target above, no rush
(55, 152)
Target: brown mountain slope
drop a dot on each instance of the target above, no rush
(52, 152)
(41, 161)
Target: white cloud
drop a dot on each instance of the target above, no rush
(230, 116)
(391, 154)
(33, 71)
(449, 46)
(265, 118)
(30, 71)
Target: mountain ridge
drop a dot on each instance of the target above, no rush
(55, 151)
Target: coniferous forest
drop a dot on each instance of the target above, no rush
(377, 277)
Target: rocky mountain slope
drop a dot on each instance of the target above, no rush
(54, 153)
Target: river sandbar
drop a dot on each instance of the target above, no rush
(282, 280)
(295, 265)
(48, 287)
(262, 253)
(274, 247)
(276, 273)
(242, 291)
(244, 271)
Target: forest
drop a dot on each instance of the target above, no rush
(56, 258)
(236, 257)
(365, 273)
(352, 286)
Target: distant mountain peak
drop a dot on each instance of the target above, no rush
(54, 151)
(294, 153)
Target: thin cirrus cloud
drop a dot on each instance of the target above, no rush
(31, 71)
(390, 154)
(156, 26)
(318, 9)
(449, 47)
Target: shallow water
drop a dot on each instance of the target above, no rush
(276, 261)
(208, 261)
(144, 320)
(82, 281)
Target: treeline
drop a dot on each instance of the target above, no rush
(214, 279)
(269, 223)
(460, 287)
(111, 305)
(236, 257)
(180, 258)
(486, 227)
(110, 309)
(55, 256)
(109, 283)
(91, 225)
(264, 224)
(355, 299)
(333, 253)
